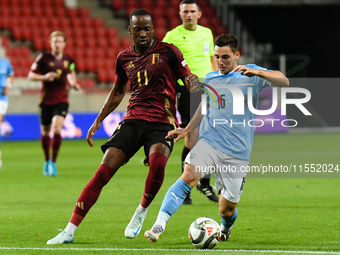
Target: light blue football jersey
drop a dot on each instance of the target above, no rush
(6, 70)
(223, 127)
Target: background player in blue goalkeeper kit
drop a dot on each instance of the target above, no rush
(227, 145)
(6, 81)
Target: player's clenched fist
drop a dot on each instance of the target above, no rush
(192, 82)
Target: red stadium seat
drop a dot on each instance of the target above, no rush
(91, 43)
(79, 43)
(133, 3)
(99, 64)
(160, 32)
(37, 12)
(102, 76)
(175, 3)
(53, 23)
(114, 44)
(33, 22)
(97, 22)
(76, 23)
(126, 42)
(111, 33)
(4, 41)
(172, 12)
(111, 53)
(48, 12)
(89, 55)
(89, 65)
(5, 12)
(64, 23)
(101, 32)
(100, 54)
(146, 4)
(26, 11)
(175, 22)
(15, 12)
(72, 13)
(57, 3)
(38, 44)
(88, 85)
(118, 4)
(60, 12)
(162, 4)
(4, 23)
(80, 65)
(203, 21)
(89, 33)
(87, 23)
(160, 23)
(35, 3)
(78, 53)
(83, 12)
(17, 33)
(102, 43)
(4, 3)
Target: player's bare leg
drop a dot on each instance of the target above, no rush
(57, 125)
(45, 144)
(158, 157)
(113, 159)
(228, 213)
(173, 200)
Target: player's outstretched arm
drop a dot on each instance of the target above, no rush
(50, 76)
(178, 134)
(112, 101)
(72, 79)
(277, 78)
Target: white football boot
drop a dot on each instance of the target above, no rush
(133, 228)
(62, 237)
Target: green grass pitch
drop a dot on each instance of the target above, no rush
(276, 215)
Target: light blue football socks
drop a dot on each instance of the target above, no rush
(227, 224)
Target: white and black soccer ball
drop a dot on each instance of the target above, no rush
(204, 233)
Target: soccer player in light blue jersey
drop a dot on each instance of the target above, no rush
(6, 81)
(225, 139)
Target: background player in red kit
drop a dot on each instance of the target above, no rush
(54, 69)
(153, 68)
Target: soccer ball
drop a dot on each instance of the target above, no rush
(204, 233)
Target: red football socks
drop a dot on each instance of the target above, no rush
(90, 193)
(56, 142)
(155, 177)
(45, 143)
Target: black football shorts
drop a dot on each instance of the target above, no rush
(131, 135)
(47, 112)
(187, 104)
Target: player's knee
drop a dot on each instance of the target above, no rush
(189, 178)
(227, 212)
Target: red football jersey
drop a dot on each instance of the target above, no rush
(56, 91)
(153, 77)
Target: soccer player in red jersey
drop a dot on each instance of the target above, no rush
(153, 68)
(55, 69)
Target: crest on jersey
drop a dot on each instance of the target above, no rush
(155, 59)
(206, 48)
(66, 64)
(51, 63)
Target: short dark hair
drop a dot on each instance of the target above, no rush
(140, 12)
(190, 2)
(227, 40)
